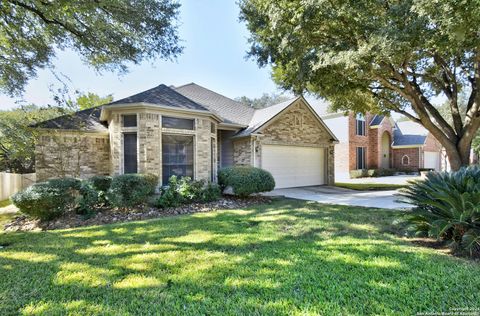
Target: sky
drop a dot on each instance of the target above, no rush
(215, 46)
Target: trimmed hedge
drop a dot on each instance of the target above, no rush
(48, 200)
(365, 173)
(129, 190)
(246, 180)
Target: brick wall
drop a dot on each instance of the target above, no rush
(413, 155)
(71, 154)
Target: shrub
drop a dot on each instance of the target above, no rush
(129, 190)
(211, 192)
(185, 190)
(101, 183)
(360, 173)
(48, 200)
(246, 180)
(447, 206)
(88, 199)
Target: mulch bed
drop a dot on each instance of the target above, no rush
(116, 215)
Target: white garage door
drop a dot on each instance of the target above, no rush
(294, 166)
(432, 160)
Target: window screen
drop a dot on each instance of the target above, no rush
(129, 120)
(361, 158)
(178, 123)
(130, 153)
(177, 154)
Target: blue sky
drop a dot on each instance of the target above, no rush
(215, 47)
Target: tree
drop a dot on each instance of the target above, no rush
(264, 101)
(90, 100)
(17, 140)
(377, 56)
(107, 34)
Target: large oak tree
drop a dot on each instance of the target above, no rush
(378, 55)
(107, 34)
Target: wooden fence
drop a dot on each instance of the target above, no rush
(11, 183)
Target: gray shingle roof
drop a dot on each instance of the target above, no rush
(377, 119)
(162, 95)
(86, 120)
(230, 110)
(409, 134)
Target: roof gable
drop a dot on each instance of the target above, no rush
(409, 133)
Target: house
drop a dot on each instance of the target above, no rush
(376, 142)
(188, 131)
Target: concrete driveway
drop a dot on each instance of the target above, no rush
(335, 195)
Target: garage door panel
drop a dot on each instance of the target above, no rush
(432, 160)
(293, 166)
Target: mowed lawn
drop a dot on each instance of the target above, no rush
(287, 257)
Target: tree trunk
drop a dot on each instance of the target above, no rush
(458, 157)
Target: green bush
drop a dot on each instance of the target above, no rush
(447, 206)
(88, 199)
(101, 183)
(246, 180)
(129, 190)
(185, 190)
(48, 200)
(363, 173)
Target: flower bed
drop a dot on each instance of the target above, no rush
(115, 215)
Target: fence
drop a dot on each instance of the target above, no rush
(11, 183)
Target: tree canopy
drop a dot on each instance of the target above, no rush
(377, 56)
(106, 34)
(17, 140)
(90, 100)
(264, 101)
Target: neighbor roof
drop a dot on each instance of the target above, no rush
(86, 120)
(161, 95)
(230, 110)
(377, 119)
(409, 134)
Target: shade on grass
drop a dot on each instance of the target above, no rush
(288, 257)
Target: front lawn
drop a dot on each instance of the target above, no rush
(288, 257)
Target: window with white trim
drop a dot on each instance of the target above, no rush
(360, 125)
(361, 158)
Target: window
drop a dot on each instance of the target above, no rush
(360, 125)
(212, 128)
(129, 120)
(212, 162)
(130, 153)
(177, 155)
(361, 158)
(405, 160)
(177, 123)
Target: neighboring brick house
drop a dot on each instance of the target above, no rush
(377, 142)
(188, 131)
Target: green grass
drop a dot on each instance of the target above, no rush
(288, 257)
(5, 203)
(369, 186)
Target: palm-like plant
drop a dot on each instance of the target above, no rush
(447, 206)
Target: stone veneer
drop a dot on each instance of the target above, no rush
(149, 138)
(71, 154)
(297, 126)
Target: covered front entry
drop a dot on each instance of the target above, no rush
(294, 166)
(385, 152)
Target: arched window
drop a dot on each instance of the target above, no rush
(360, 125)
(405, 160)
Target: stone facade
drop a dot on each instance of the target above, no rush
(296, 126)
(69, 154)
